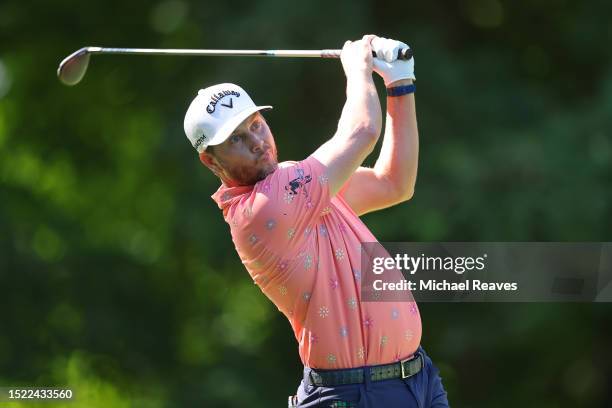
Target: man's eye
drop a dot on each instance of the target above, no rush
(235, 138)
(255, 125)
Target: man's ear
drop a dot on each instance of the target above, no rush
(211, 162)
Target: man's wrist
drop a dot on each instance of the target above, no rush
(400, 82)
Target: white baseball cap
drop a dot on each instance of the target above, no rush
(215, 113)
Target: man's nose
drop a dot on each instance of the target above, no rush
(257, 143)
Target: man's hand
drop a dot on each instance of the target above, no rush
(356, 56)
(386, 63)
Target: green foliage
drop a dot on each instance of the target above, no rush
(118, 275)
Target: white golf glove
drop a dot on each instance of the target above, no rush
(386, 63)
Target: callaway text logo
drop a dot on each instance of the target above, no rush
(217, 97)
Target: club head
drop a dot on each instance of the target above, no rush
(72, 69)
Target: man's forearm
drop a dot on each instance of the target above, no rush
(398, 159)
(361, 112)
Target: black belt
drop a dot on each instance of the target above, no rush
(403, 369)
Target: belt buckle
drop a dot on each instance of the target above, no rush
(402, 368)
(404, 375)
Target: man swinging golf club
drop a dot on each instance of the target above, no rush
(297, 230)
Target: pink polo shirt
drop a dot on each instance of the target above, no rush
(303, 249)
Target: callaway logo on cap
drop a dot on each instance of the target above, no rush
(215, 112)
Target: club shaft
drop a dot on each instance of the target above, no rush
(327, 53)
(237, 53)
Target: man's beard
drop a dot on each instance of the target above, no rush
(246, 178)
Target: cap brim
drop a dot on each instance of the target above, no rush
(233, 123)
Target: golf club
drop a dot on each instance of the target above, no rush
(72, 69)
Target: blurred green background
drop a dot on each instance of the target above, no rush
(119, 278)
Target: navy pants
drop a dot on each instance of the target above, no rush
(423, 390)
